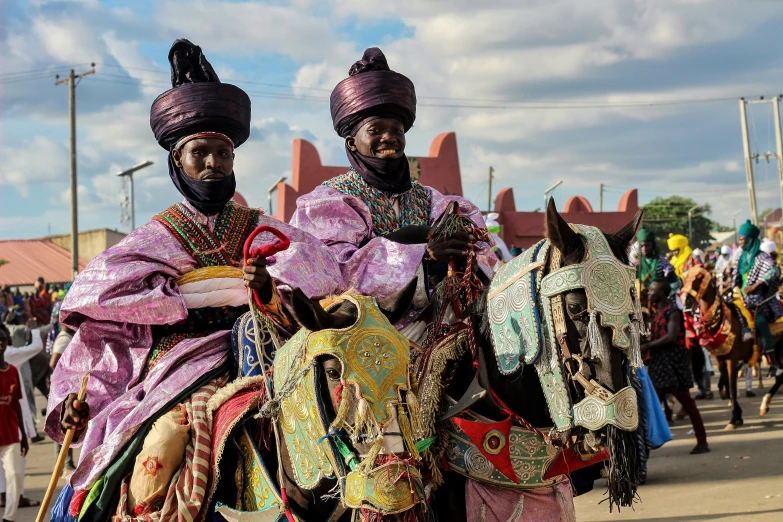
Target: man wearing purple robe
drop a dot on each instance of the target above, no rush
(374, 218)
(153, 314)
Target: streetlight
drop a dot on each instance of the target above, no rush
(129, 172)
(550, 190)
(690, 225)
(734, 217)
(272, 189)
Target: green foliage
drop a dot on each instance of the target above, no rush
(670, 215)
(2, 262)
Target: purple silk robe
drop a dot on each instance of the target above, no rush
(381, 268)
(112, 305)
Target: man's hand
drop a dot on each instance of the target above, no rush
(75, 415)
(257, 277)
(25, 445)
(457, 246)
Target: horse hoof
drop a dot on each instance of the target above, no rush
(730, 427)
(765, 404)
(724, 395)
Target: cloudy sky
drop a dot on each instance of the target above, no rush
(629, 93)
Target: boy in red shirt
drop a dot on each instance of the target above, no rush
(12, 446)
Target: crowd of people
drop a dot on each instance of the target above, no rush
(31, 342)
(747, 275)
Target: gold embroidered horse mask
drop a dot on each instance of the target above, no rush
(374, 357)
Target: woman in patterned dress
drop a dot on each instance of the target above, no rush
(668, 360)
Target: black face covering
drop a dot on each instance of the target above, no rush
(385, 174)
(208, 197)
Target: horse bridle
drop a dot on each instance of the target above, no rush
(596, 395)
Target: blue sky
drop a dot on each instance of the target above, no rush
(625, 60)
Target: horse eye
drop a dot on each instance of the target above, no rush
(333, 374)
(574, 309)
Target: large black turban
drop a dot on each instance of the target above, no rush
(371, 91)
(197, 101)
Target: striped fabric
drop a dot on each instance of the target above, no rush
(184, 501)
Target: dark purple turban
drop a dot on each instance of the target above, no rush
(199, 103)
(372, 91)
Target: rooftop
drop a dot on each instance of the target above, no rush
(22, 261)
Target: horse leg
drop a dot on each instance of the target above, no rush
(448, 501)
(723, 380)
(736, 411)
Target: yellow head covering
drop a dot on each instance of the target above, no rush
(680, 243)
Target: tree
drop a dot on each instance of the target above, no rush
(670, 215)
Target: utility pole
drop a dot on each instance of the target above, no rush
(489, 192)
(748, 163)
(601, 197)
(779, 143)
(71, 80)
(129, 173)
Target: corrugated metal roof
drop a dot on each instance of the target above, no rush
(22, 261)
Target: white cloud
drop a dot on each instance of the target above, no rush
(39, 160)
(247, 28)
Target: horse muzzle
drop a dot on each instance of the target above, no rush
(618, 409)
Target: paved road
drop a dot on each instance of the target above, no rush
(741, 479)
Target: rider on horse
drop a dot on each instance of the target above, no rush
(375, 218)
(755, 281)
(153, 314)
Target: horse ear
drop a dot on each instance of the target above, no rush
(626, 235)
(403, 303)
(310, 314)
(559, 234)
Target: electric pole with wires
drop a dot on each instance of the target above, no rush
(73, 80)
(750, 156)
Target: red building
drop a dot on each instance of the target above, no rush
(440, 170)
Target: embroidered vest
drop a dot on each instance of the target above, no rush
(221, 247)
(414, 204)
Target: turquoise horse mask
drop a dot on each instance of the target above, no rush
(527, 325)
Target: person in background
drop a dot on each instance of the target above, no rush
(18, 298)
(723, 268)
(682, 258)
(669, 363)
(13, 438)
(41, 302)
(756, 280)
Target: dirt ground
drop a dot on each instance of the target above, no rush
(741, 479)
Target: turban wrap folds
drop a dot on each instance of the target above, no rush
(680, 243)
(750, 249)
(370, 92)
(647, 269)
(196, 103)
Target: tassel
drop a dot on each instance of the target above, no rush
(598, 348)
(635, 353)
(414, 409)
(368, 463)
(405, 429)
(637, 311)
(341, 419)
(364, 422)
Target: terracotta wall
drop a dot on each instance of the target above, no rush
(439, 170)
(524, 229)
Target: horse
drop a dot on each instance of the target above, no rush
(334, 434)
(532, 393)
(719, 329)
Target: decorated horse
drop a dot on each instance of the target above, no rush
(331, 435)
(717, 326)
(533, 382)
